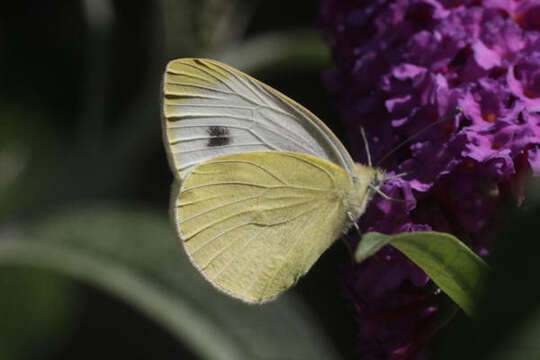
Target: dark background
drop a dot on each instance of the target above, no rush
(79, 102)
(82, 102)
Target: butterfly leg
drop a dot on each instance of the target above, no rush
(346, 241)
(353, 221)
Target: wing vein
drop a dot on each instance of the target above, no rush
(209, 241)
(242, 80)
(261, 266)
(174, 118)
(190, 75)
(285, 261)
(326, 172)
(220, 147)
(250, 163)
(290, 186)
(170, 96)
(215, 106)
(222, 206)
(179, 205)
(186, 139)
(207, 226)
(313, 243)
(198, 201)
(252, 132)
(251, 101)
(202, 87)
(291, 139)
(235, 257)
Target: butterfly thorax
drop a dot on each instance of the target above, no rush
(366, 182)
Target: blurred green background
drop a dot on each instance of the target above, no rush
(89, 264)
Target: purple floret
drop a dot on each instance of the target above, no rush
(400, 66)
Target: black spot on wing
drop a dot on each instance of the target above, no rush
(219, 136)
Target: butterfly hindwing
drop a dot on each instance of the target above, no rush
(253, 223)
(211, 109)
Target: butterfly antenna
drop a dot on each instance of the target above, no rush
(421, 131)
(397, 176)
(368, 154)
(384, 196)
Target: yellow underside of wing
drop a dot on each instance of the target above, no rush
(253, 223)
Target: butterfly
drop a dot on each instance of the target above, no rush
(262, 187)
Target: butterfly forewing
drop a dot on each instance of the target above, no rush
(253, 223)
(211, 109)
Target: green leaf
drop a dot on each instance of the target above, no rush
(370, 244)
(38, 312)
(136, 256)
(457, 270)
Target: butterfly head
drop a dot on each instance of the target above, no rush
(366, 182)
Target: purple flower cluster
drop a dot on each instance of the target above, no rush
(402, 65)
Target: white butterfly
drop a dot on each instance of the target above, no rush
(263, 187)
